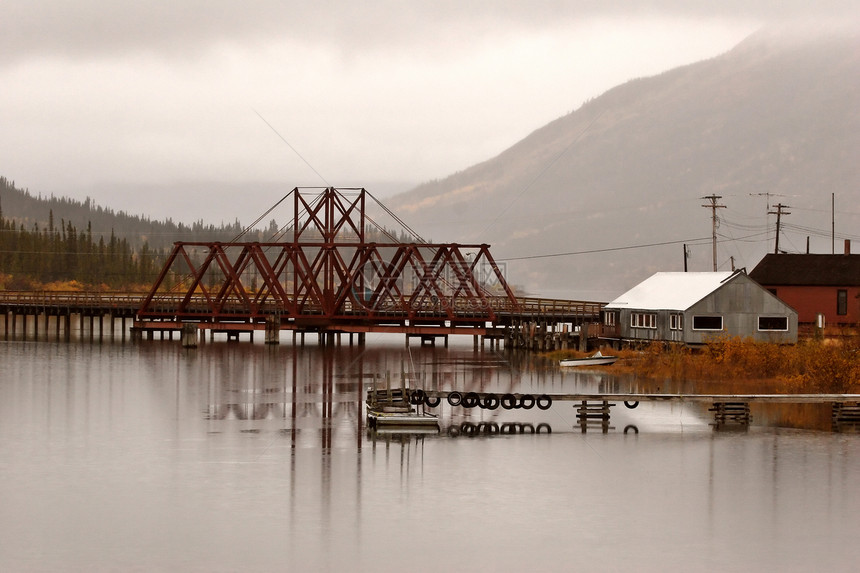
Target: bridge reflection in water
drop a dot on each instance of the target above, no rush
(314, 396)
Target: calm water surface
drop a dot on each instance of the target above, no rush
(245, 457)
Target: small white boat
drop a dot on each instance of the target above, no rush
(596, 359)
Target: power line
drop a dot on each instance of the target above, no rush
(629, 247)
(293, 148)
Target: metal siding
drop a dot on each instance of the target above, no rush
(740, 302)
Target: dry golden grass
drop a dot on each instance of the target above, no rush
(811, 366)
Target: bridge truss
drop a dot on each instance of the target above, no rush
(336, 270)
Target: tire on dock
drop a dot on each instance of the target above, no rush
(490, 402)
(416, 397)
(470, 400)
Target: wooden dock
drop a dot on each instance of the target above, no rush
(595, 408)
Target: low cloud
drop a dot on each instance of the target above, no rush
(185, 28)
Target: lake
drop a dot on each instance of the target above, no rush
(144, 456)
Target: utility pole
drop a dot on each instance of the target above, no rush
(833, 223)
(713, 199)
(779, 213)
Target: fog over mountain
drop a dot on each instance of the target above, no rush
(773, 121)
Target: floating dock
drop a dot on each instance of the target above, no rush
(391, 408)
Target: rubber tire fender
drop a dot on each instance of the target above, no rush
(508, 401)
(432, 401)
(417, 397)
(544, 402)
(455, 399)
(490, 402)
(527, 402)
(631, 405)
(470, 400)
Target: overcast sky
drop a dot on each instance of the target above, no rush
(104, 98)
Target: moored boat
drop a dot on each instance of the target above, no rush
(596, 359)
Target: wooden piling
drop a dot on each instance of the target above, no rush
(188, 337)
(273, 330)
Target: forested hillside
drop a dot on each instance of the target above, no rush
(59, 243)
(23, 208)
(61, 257)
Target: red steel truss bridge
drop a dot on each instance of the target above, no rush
(330, 269)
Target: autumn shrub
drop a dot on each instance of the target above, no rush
(827, 367)
(814, 366)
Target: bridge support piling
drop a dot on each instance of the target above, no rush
(188, 337)
(583, 337)
(273, 330)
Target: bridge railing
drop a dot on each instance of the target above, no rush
(525, 306)
(556, 307)
(72, 299)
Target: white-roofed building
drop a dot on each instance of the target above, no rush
(695, 307)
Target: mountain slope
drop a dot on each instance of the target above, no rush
(774, 120)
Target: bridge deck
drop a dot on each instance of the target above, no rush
(129, 304)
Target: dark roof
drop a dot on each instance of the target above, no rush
(807, 270)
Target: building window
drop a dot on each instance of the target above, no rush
(773, 323)
(609, 319)
(643, 320)
(842, 302)
(676, 322)
(707, 323)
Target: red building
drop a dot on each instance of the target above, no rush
(815, 285)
